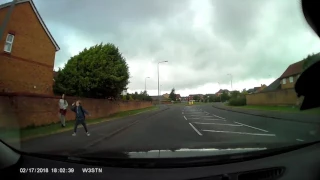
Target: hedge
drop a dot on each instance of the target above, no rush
(240, 101)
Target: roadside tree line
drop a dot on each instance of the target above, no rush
(98, 72)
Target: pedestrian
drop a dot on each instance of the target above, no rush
(80, 117)
(63, 105)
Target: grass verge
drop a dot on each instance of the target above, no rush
(288, 109)
(33, 132)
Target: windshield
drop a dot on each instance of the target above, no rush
(144, 78)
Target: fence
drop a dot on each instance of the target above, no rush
(35, 110)
(279, 97)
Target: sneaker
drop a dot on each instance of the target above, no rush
(88, 134)
(74, 134)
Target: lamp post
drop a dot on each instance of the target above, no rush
(145, 84)
(231, 80)
(219, 90)
(159, 80)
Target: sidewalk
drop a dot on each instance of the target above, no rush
(288, 116)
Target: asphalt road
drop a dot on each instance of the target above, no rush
(174, 127)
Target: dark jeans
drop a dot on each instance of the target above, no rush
(80, 121)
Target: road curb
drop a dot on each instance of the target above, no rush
(260, 115)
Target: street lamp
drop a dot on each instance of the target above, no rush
(159, 80)
(231, 80)
(145, 84)
(219, 90)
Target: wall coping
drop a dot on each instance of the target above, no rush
(25, 94)
(271, 91)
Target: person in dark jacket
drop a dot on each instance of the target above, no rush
(80, 117)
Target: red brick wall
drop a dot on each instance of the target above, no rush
(31, 109)
(32, 58)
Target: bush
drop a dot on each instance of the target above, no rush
(240, 101)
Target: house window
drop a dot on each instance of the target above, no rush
(284, 81)
(9, 43)
(291, 79)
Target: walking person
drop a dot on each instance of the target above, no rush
(63, 105)
(80, 117)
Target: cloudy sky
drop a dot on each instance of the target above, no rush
(202, 40)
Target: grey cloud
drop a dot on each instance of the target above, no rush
(249, 39)
(236, 20)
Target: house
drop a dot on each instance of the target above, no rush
(191, 96)
(178, 97)
(221, 91)
(27, 51)
(184, 99)
(291, 74)
(166, 95)
(256, 89)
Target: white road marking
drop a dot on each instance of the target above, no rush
(231, 132)
(214, 119)
(252, 127)
(299, 140)
(218, 116)
(195, 129)
(185, 118)
(218, 124)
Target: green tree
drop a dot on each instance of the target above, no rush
(172, 95)
(244, 92)
(211, 98)
(310, 60)
(135, 96)
(128, 97)
(225, 96)
(98, 72)
(235, 94)
(196, 97)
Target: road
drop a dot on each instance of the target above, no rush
(175, 127)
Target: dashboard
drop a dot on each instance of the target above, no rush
(303, 163)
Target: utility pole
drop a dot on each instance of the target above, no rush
(159, 80)
(7, 18)
(145, 84)
(231, 80)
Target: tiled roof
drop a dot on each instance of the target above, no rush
(38, 16)
(275, 85)
(293, 69)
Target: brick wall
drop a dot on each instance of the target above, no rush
(31, 109)
(280, 97)
(20, 76)
(32, 58)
